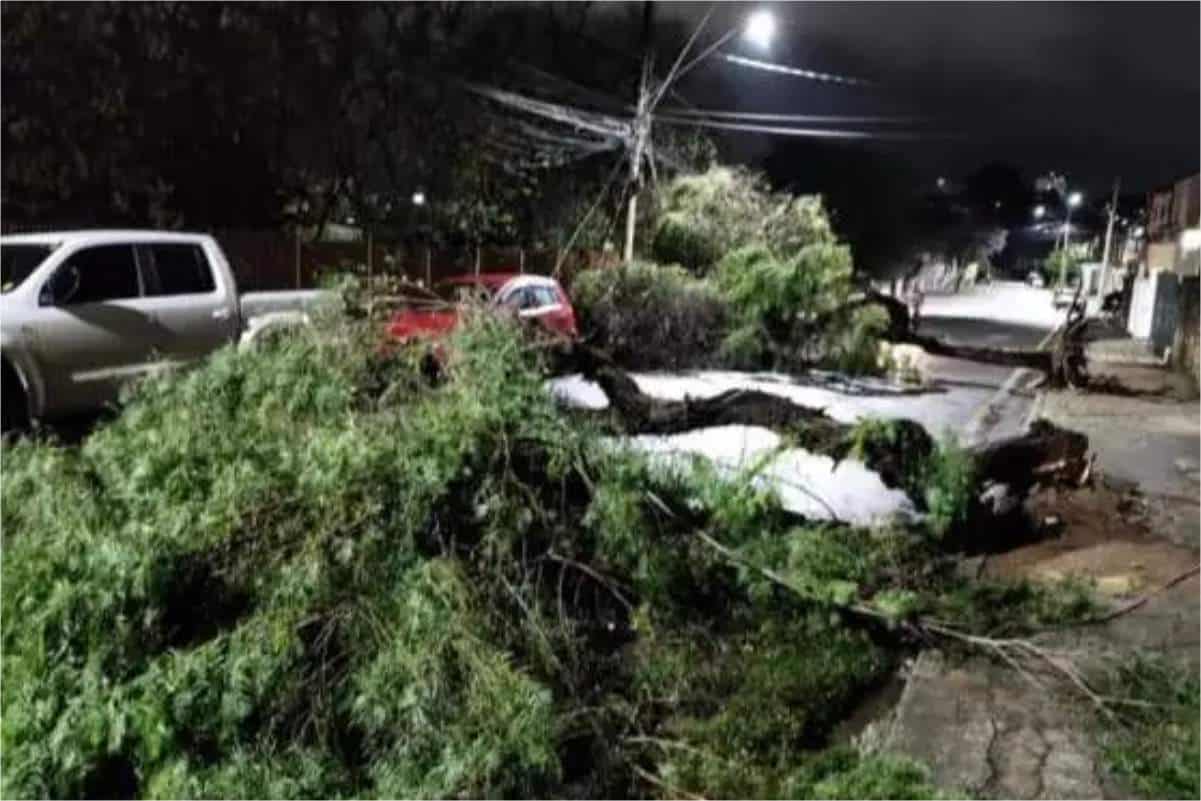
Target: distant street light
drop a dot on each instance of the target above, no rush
(760, 29)
(942, 183)
(419, 198)
(1040, 211)
(1074, 200)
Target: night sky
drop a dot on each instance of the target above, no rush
(1093, 90)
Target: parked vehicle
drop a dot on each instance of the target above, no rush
(533, 297)
(83, 312)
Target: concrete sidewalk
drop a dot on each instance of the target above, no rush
(981, 726)
(1146, 434)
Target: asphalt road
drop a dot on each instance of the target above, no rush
(982, 401)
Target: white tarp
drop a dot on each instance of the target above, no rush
(806, 484)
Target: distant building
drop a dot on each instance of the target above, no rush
(1164, 296)
(1174, 227)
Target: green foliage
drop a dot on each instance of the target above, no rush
(855, 349)
(488, 729)
(650, 316)
(844, 774)
(778, 278)
(1156, 746)
(217, 582)
(1007, 607)
(303, 570)
(773, 298)
(781, 685)
(950, 486)
(703, 216)
(1061, 263)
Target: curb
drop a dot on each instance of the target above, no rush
(972, 431)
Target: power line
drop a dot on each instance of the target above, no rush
(768, 117)
(818, 133)
(793, 71)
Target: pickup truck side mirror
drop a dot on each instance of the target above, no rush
(61, 287)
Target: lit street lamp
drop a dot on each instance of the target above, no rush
(760, 29)
(1040, 211)
(419, 198)
(1074, 200)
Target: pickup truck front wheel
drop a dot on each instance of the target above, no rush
(14, 405)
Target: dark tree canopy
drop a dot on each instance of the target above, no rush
(258, 114)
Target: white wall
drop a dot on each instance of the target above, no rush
(1152, 305)
(1142, 306)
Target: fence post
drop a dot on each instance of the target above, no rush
(477, 259)
(429, 281)
(298, 257)
(521, 259)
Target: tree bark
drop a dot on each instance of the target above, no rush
(1044, 456)
(1063, 365)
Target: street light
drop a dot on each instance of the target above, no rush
(1040, 211)
(1074, 200)
(419, 198)
(760, 29)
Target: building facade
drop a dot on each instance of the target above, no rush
(1174, 227)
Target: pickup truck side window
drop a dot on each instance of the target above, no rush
(96, 274)
(176, 269)
(18, 261)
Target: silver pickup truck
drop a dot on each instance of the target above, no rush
(82, 312)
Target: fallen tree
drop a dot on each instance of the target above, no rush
(1045, 455)
(1062, 365)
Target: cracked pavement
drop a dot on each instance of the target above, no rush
(986, 731)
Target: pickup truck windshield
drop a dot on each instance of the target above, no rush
(18, 261)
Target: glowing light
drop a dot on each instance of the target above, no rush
(760, 29)
(1075, 199)
(1040, 211)
(419, 198)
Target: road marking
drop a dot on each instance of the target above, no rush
(973, 432)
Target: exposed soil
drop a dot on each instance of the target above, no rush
(1101, 533)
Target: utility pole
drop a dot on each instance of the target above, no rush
(1113, 212)
(640, 133)
(641, 127)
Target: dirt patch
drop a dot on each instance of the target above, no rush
(1098, 533)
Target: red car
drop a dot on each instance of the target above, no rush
(532, 297)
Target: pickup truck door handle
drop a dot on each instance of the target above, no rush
(221, 314)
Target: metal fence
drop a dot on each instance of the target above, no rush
(264, 260)
(271, 260)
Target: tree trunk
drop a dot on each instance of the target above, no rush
(1063, 365)
(1045, 455)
